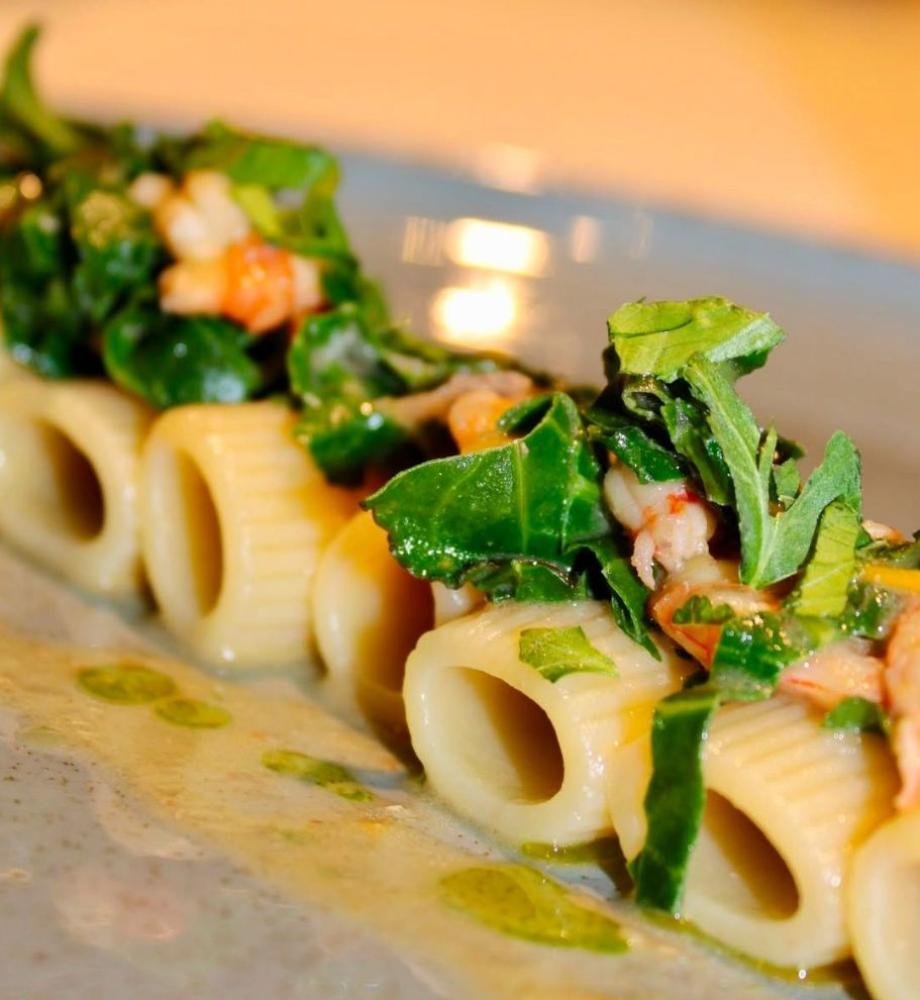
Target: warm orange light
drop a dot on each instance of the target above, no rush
(480, 314)
(498, 246)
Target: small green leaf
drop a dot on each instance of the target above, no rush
(557, 652)
(676, 796)
(660, 338)
(634, 448)
(172, 360)
(824, 586)
(860, 715)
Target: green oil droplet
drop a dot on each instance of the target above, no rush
(524, 903)
(126, 683)
(192, 713)
(592, 852)
(326, 774)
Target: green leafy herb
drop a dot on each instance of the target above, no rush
(20, 103)
(635, 448)
(170, 360)
(871, 611)
(860, 715)
(660, 338)
(557, 652)
(676, 796)
(340, 365)
(824, 587)
(117, 251)
(773, 546)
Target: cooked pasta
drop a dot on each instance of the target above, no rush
(788, 801)
(883, 903)
(69, 454)
(235, 516)
(513, 750)
(368, 613)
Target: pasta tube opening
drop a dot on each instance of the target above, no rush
(235, 517)
(196, 543)
(742, 868)
(66, 492)
(500, 732)
(512, 749)
(69, 455)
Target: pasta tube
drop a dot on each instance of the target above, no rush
(368, 613)
(68, 479)
(788, 801)
(235, 516)
(883, 901)
(513, 750)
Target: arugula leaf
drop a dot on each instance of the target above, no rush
(824, 587)
(676, 795)
(660, 338)
(624, 590)
(753, 652)
(170, 360)
(20, 103)
(634, 447)
(557, 652)
(787, 481)
(448, 516)
(773, 546)
(691, 436)
(117, 251)
(860, 715)
(535, 502)
(339, 364)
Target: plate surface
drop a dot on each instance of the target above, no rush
(98, 901)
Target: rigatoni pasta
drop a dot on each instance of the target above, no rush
(788, 802)
(519, 753)
(367, 614)
(883, 900)
(69, 457)
(235, 517)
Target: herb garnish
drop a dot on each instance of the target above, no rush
(557, 652)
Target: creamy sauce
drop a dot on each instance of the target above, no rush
(320, 810)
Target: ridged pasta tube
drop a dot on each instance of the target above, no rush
(368, 613)
(788, 802)
(512, 750)
(235, 516)
(883, 901)
(69, 456)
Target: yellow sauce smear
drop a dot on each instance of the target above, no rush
(276, 785)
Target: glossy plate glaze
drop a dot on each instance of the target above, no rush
(140, 857)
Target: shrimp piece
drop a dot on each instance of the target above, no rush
(435, 404)
(200, 220)
(254, 283)
(841, 670)
(669, 523)
(716, 580)
(473, 420)
(902, 681)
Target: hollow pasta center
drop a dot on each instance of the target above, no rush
(739, 866)
(501, 736)
(57, 483)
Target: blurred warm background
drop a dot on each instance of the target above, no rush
(802, 116)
